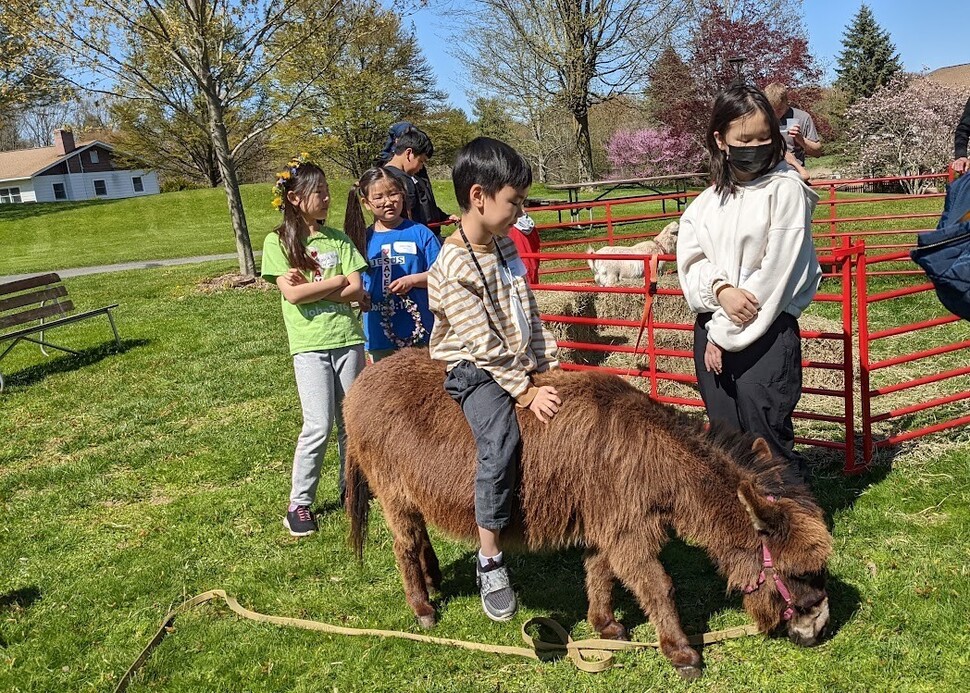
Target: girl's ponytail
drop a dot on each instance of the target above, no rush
(355, 226)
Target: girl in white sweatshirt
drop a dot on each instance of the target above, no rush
(748, 268)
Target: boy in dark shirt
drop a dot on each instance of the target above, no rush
(412, 150)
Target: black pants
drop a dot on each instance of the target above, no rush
(490, 411)
(759, 386)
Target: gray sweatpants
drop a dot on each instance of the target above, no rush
(322, 379)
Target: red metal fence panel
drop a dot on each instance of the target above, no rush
(850, 246)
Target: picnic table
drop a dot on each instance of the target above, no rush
(656, 186)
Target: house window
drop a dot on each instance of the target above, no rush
(100, 188)
(137, 184)
(59, 192)
(8, 195)
(94, 156)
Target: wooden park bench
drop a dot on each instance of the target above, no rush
(29, 307)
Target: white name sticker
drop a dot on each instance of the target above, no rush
(327, 260)
(406, 247)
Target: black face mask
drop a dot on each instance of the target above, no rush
(757, 160)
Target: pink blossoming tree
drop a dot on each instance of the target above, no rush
(905, 128)
(652, 152)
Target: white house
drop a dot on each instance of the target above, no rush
(67, 171)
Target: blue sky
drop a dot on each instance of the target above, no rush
(927, 33)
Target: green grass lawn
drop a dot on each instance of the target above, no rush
(49, 236)
(130, 481)
(60, 235)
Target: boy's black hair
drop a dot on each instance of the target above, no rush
(734, 102)
(415, 140)
(491, 164)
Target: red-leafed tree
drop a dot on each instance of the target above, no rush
(768, 35)
(772, 43)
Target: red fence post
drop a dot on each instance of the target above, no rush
(833, 224)
(651, 344)
(848, 358)
(862, 296)
(609, 223)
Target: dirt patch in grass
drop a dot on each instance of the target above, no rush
(230, 281)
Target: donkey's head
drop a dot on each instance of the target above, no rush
(784, 581)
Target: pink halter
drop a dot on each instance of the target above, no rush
(768, 564)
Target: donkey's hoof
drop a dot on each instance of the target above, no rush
(614, 630)
(427, 622)
(689, 673)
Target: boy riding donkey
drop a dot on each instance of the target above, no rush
(487, 330)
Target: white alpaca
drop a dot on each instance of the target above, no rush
(612, 272)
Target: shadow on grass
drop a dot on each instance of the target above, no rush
(67, 363)
(835, 490)
(17, 600)
(554, 583)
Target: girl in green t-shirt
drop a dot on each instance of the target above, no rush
(317, 270)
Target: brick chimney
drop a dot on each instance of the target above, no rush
(64, 142)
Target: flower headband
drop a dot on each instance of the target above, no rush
(283, 177)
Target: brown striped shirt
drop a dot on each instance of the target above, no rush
(470, 327)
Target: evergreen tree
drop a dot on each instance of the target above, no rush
(672, 97)
(868, 59)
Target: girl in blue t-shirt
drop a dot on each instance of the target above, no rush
(399, 253)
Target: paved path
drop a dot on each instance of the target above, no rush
(123, 266)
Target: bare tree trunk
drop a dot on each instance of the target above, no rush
(227, 169)
(542, 174)
(212, 169)
(583, 144)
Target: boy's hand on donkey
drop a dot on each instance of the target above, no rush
(546, 403)
(740, 305)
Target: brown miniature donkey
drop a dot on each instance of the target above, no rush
(611, 472)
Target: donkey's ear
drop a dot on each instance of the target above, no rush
(756, 506)
(761, 450)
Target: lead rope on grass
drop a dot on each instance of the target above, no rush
(591, 655)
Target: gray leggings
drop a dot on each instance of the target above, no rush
(322, 378)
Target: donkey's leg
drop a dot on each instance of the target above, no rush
(599, 592)
(429, 561)
(646, 578)
(407, 526)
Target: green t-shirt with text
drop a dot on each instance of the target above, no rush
(323, 324)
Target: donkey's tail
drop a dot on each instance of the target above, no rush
(357, 505)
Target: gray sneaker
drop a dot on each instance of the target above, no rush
(498, 599)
